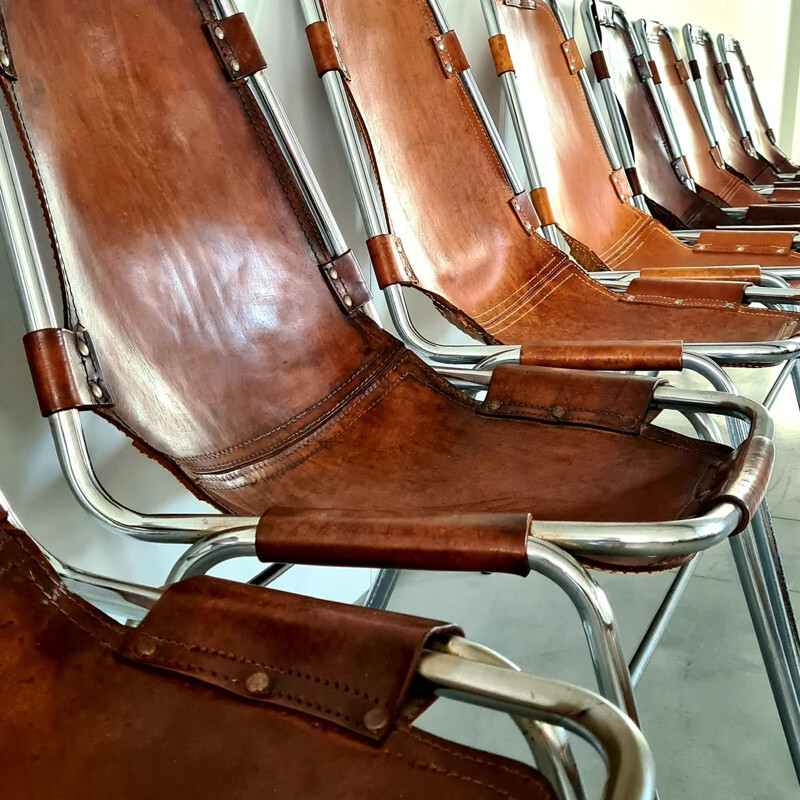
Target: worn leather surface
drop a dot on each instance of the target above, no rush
(86, 712)
(755, 169)
(649, 140)
(661, 355)
(189, 256)
(758, 125)
(447, 198)
(573, 164)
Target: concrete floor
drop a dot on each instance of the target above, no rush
(705, 701)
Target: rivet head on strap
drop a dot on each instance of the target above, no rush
(258, 683)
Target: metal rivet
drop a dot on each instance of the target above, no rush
(630, 298)
(701, 247)
(559, 412)
(515, 203)
(234, 64)
(399, 247)
(376, 719)
(95, 389)
(83, 348)
(348, 301)
(448, 67)
(493, 406)
(257, 683)
(335, 40)
(740, 248)
(218, 32)
(730, 305)
(528, 226)
(781, 249)
(679, 302)
(5, 60)
(440, 44)
(145, 648)
(334, 275)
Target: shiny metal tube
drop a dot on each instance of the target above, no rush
(631, 770)
(696, 86)
(735, 105)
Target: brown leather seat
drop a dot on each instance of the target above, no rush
(590, 201)
(759, 128)
(224, 690)
(231, 347)
(706, 164)
(450, 205)
(658, 172)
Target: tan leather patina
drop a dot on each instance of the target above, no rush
(224, 690)
(229, 347)
(574, 167)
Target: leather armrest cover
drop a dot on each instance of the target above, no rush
(657, 355)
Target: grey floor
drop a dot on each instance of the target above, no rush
(705, 702)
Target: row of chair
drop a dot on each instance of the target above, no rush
(213, 312)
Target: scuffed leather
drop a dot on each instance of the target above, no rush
(621, 356)
(79, 719)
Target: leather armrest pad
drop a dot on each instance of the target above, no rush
(347, 665)
(668, 288)
(756, 242)
(570, 397)
(749, 274)
(773, 215)
(415, 540)
(780, 195)
(657, 355)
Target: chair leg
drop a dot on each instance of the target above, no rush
(597, 617)
(758, 602)
(796, 381)
(381, 591)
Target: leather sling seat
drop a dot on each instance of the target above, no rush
(763, 135)
(224, 690)
(706, 164)
(739, 153)
(590, 201)
(672, 202)
(232, 349)
(458, 233)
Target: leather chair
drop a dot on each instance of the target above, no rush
(711, 78)
(761, 132)
(643, 127)
(225, 689)
(213, 313)
(705, 160)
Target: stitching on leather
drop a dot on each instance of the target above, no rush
(524, 312)
(190, 459)
(597, 411)
(329, 683)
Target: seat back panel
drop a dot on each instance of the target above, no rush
(184, 246)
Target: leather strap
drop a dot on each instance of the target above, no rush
(346, 282)
(572, 55)
(747, 274)
(600, 65)
(236, 46)
(642, 67)
(460, 542)
(756, 242)
(544, 209)
(654, 72)
(525, 212)
(500, 54)
(657, 355)
(325, 49)
(451, 54)
(729, 292)
(570, 397)
(683, 73)
(694, 68)
(344, 664)
(722, 74)
(632, 174)
(621, 185)
(65, 371)
(389, 261)
(748, 74)
(716, 157)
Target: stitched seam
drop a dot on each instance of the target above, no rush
(529, 310)
(597, 411)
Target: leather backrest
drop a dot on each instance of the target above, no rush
(654, 161)
(757, 124)
(728, 136)
(569, 154)
(184, 246)
(705, 171)
(445, 192)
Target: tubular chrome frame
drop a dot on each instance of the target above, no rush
(468, 672)
(730, 91)
(611, 15)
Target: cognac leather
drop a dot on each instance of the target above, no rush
(573, 164)
(500, 55)
(730, 292)
(464, 247)
(648, 137)
(231, 355)
(571, 397)
(755, 168)
(323, 49)
(746, 274)
(710, 175)
(63, 377)
(757, 243)
(450, 542)
(236, 46)
(758, 126)
(621, 356)
(93, 709)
